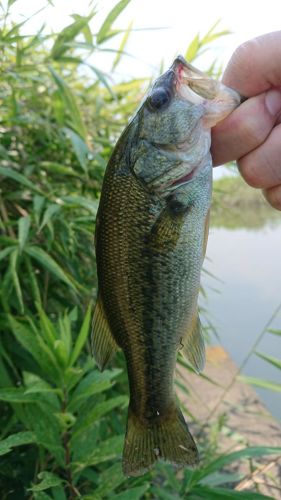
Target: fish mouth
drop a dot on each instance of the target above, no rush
(197, 87)
(192, 84)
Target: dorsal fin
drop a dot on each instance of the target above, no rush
(193, 346)
(102, 342)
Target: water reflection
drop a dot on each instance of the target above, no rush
(249, 264)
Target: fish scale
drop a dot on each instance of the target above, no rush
(151, 235)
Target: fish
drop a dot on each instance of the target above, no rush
(150, 240)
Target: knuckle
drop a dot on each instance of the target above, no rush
(273, 196)
(242, 65)
(253, 132)
(249, 172)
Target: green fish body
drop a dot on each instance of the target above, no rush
(151, 236)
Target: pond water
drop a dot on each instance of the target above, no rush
(248, 263)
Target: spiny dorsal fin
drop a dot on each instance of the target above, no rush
(193, 345)
(102, 341)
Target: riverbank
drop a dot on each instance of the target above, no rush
(235, 204)
(237, 418)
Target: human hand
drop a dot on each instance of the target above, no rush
(252, 133)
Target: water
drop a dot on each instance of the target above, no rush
(249, 264)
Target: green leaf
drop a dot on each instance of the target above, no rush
(24, 225)
(111, 17)
(47, 327)
(79, 146)
(94, 383)
(18, 439)
(38, 203)
(68, 34)
(52, 210)
(270, 359)
(48, 480)
(122, 45)
(61, 353)
(97, 413)
(4, 253)
(41, 495)
(274, 331)
(13, 266)
(16, 395)
(49, 264)
(65, 333)
(103, 79)
(132, 493)
(12, 174)
(46, 427)
(82, 336)
(219, 478)
(84, 445)
(220, 462)
(162, 494)
(192, 49)
(33, 280)
(224, 494)
(81, 201)
(264, 384)
(57, 168)
(107, 450)
(110, 479)
(35, 345)
(36, 385)
(70, 103)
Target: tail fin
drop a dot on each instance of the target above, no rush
(167, 438)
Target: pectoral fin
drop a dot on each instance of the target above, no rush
(102, 342)
(193, 345)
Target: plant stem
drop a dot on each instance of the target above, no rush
(73, 492)
(6, 219)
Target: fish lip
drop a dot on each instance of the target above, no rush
(199, 84)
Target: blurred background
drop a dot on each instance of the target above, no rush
(72, 74)
(160, 30)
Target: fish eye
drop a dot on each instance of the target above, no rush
(159, 99)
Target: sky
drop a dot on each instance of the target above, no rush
(177, 22)
(161, 30)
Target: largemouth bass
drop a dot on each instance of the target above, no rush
(151, 235)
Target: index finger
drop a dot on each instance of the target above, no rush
(255, 65)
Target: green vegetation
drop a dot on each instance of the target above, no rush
(61, 420)
(237, 205)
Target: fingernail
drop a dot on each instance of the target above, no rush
(273, 101)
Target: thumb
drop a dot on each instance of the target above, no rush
(246, 127)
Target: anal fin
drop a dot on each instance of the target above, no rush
(193, 348)
(103, 344)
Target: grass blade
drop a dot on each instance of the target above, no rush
(49, 263)
(224, 494)
(15, 278)
(264, 384)
(220, 462)
(270, 359)
(24, 225)
(82, 336)
(109, 20)
(21, 179)
(122, 45)
(274, 331)
(70, 103)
